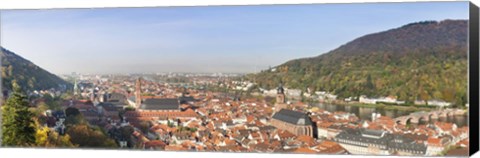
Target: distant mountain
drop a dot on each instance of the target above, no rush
(423, 60)
(28, 75)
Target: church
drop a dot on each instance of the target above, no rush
(295, 122)
(154, 104)
(157, 108)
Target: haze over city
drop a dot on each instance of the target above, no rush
(239, 39)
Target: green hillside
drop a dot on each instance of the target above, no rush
(424, 60)
(28, 75)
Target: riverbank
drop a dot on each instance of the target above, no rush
(411, 108)
(364, 111)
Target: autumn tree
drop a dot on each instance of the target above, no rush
(74, 116)
(44, 137)
(40, 109)
(89, 137)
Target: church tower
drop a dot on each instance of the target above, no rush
(184, 92)
(75, 89)
(280, 95)
(138, 92)
(281, 103)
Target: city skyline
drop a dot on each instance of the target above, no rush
(237, 39)
(395, 79)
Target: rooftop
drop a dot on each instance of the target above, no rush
(160, 104)
(292, 117)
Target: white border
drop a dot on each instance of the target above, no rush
(47, 4)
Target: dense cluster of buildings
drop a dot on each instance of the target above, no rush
(177, 118)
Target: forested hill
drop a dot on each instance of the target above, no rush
(28, 75)
(423, 60)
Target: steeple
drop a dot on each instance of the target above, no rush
(75, 88)
(138, 92)
(280, 104)
(280, 94)
(280, 89)
(185, 92)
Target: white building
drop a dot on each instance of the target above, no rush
(392, 100)
(293, 92)
(438, 103)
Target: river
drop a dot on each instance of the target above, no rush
(365, 113)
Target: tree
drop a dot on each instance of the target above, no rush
(70, 111)
(369, 84)
(51, 102)
(126, 133)
(85, 136)
(145, 126)
(193, 129)
(448, 94)
(424, 96)
(129, 108)
(18, 128)
(45, 137)
(73, 116)
(74, 120)
(42, 107)
(170, 124)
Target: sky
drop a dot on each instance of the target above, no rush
(237, 39)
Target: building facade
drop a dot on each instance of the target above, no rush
(376, 142)
(294, 122)
(280, 100)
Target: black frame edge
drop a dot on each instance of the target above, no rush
(474, 78)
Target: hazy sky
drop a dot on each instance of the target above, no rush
(200, 39)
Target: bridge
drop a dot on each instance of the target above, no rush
(417, 117)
